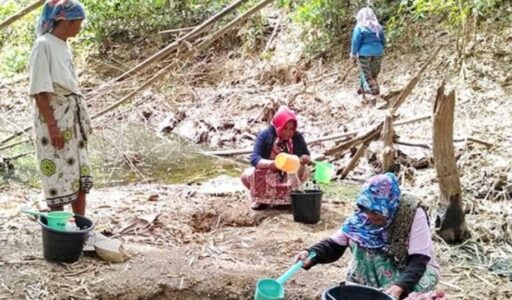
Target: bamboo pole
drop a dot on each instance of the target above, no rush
(20, 14)
(177, 30)
(174, 45)
(201, 47)
(412, 84)
(317, 140)
(355, 159)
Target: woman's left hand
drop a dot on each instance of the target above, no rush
(304, 159)
(395, 291)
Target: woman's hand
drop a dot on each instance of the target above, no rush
(304, 159)
(395, 291)
(294, 180)
(272, 165)
(303, 256)
(56, 136)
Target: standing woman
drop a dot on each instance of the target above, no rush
(61, 123)
(368, 43)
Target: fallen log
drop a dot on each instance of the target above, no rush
(355, 141)
(412, 84)
(355, 159)
(171, 47)
(313, 141)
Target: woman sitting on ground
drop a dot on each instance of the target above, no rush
(390, 240)
(268, 185)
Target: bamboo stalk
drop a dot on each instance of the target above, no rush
(14, 144)
(314, 141)
(202, 46)
(174, 45)
(412, 84)
(20, 14)
(177, 30)
(355, 159)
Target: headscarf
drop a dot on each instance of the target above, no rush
(366, 18)
(381, 194)
(281, 118)
(55, 10)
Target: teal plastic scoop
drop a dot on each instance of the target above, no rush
(273, 289)
(56, 219)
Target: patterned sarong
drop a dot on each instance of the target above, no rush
(66, 171)
(370, 69)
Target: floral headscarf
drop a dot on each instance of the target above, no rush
(55, 10)
(380, 194)
(366, 18)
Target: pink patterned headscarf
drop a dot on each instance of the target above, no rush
(367, 18)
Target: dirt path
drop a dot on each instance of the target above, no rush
(201, 246)
(206, 246)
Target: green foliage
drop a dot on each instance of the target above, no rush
(327, 22)
(324, 21)
(15, 40)
(253, 33)
(113, 21)
(455, 12)
(126, 20)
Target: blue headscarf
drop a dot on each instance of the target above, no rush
(381, 194)
(55, 10)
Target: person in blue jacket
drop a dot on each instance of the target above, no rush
(368, 43)
(268, 185)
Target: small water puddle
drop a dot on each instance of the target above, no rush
(133, 154)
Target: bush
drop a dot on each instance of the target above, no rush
(329, 22)
(455, 12)
(126, 20)
(16, 40)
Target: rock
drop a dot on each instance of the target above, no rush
(111, 250)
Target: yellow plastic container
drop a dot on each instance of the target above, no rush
(288, 163)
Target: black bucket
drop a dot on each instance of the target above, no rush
(306, 206)
(65, 246)
(354, 292)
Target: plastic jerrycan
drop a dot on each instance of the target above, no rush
(288, 163)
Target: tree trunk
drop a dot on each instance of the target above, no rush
(450, 223)
(388, 154)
